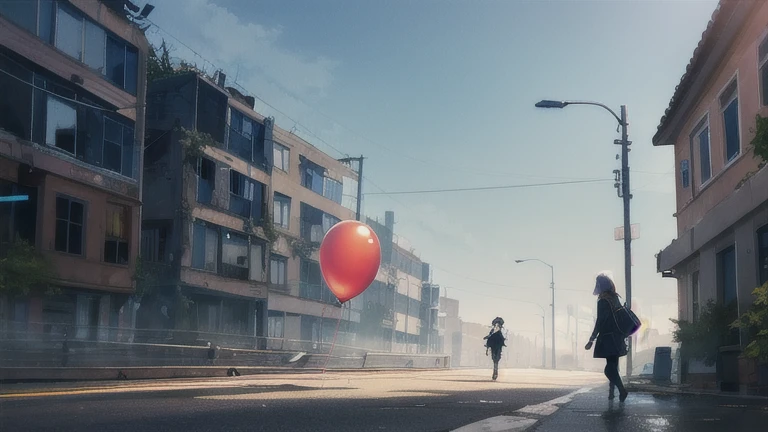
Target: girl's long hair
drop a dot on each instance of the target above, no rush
(604, 285)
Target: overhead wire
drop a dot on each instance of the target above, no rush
(485, 188)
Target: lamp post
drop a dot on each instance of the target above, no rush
(624, 194)
(552, 287)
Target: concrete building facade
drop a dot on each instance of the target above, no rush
(721, 249)
(73, 85)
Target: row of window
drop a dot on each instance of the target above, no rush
(700, 137)
(71, 228)
(219, 250)
(68, 120)
(729, 118)
(69, 30)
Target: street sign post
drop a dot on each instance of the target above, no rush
(618, 232)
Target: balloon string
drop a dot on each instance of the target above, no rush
(333, 344)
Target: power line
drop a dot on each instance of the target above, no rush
(483, 188)
(470, 278)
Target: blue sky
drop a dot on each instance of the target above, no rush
(440, 94)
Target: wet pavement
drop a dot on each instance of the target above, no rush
(593, 412)
(398, 401)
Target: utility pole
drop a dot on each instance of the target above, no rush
(552, 286)
(348, 160)
(626, 196)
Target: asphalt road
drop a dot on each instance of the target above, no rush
(415, 401)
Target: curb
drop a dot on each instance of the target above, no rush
(661, 389)
(146, 373)
(524, 418)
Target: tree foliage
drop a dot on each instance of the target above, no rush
(760, 141)
(24, 270)
(703, 338)
(194, 144)
(159, 64)
(755, 322)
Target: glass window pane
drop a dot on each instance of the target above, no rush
(731, 120)
(47, 15)
(706, 169)
(122, 253)
(127, 169)
(113, 131)
(115, 61)
(211, 249)
(76, 211)
(62, 230)
(62, 208)
(198, 246)
(23, 13)
(112, 156)
(95, 40)
(257, 263)
(75, 239)
(110, 251)
(131, 70)
(764, 83)
(69, 32)
(61, 125)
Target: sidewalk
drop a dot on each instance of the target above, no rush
(647, 385)
(593, 412)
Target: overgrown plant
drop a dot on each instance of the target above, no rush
(159, 64)
(194, 144)
(270, 233)
(303, 248)
(145, 280)
(24, 270)
(755, 323)
(703, 338)
(760, 141)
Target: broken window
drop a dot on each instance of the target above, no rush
(61, 124)
(206, 180)
(116, 237)
(312, 175)
(241, 191)
(70, 221)
(234, 255)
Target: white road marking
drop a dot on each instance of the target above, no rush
(499, 424)
(522, 422)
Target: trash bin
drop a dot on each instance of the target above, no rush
(662, 365)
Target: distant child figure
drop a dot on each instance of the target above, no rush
(495, 342)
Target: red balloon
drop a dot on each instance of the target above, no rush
(349, 258)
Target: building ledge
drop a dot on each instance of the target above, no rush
(752, 194)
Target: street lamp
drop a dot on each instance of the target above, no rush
(624, 193)
(552, 287)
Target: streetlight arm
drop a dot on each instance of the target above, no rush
(616, 116)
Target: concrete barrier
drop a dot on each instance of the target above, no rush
(406, 361)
